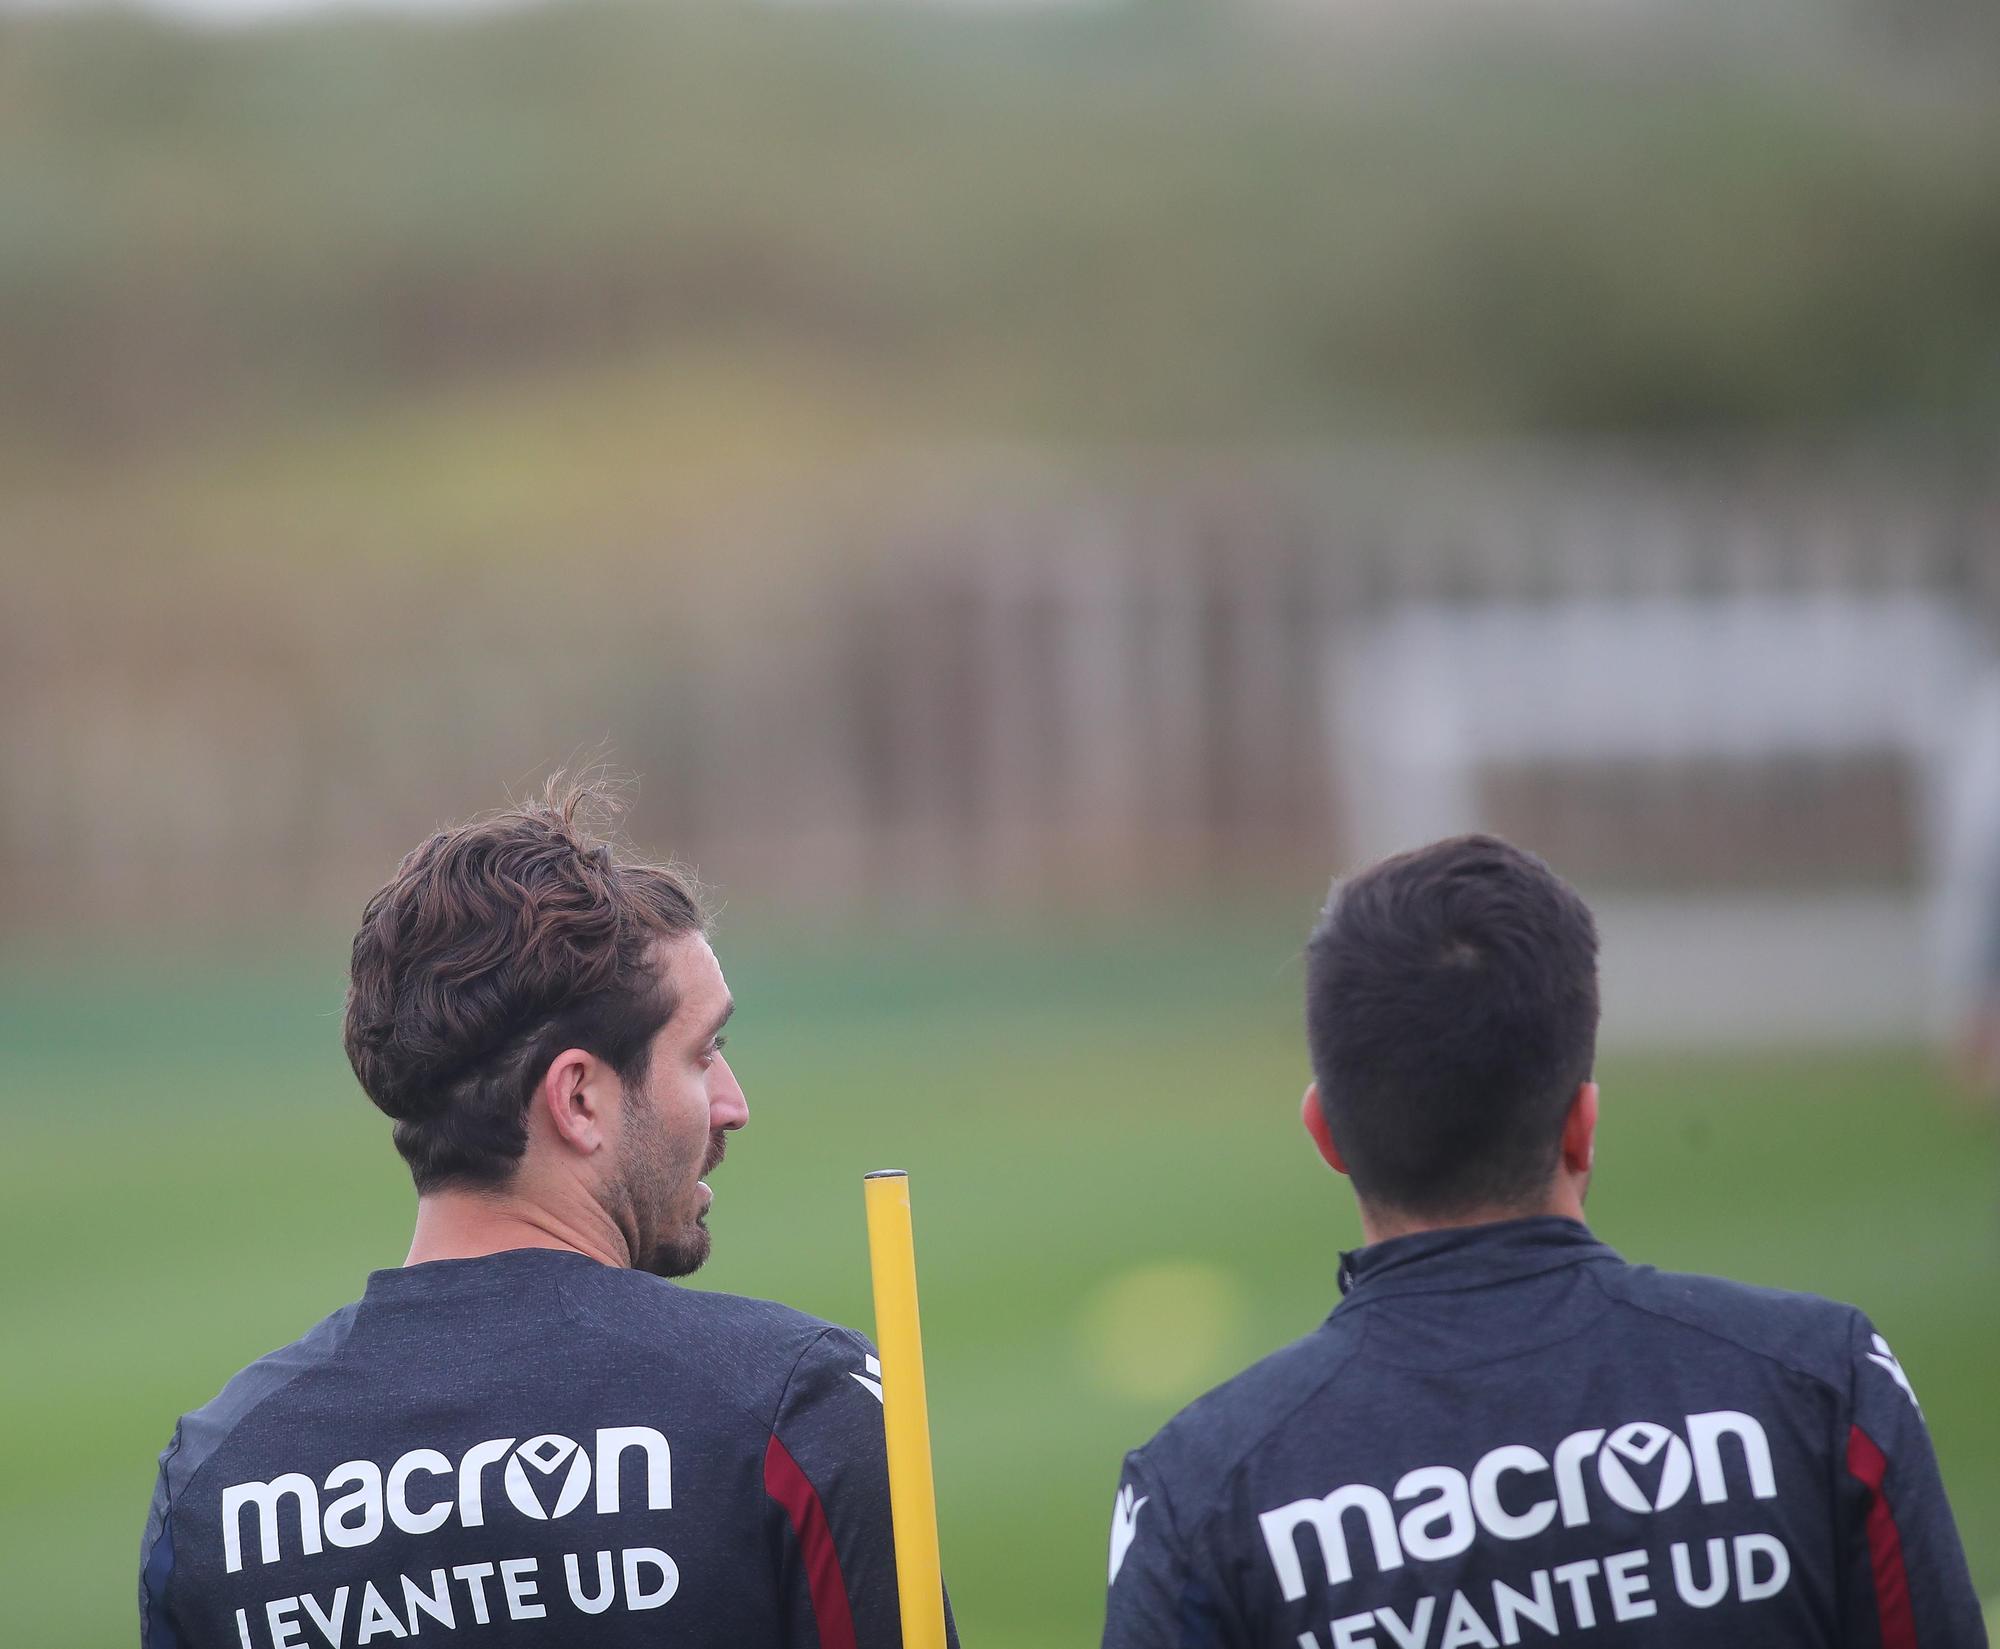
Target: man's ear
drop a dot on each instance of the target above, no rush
(1579, 1141)
(575, 1099)
(1313, 1115)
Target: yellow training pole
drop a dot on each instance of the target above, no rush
(892, 1257)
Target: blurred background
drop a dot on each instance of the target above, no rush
(1030, 491)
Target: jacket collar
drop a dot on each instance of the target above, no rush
(1467, 1256)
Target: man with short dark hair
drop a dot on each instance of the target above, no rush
(524, 1435)
(1504, 1433)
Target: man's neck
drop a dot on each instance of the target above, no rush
(1379, 1224)
(465, 1225)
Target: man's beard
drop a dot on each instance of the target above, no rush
(651, 1181)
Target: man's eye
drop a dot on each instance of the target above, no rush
(714, 1048)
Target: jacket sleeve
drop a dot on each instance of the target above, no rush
(1903, 1576)
(1160, 1594)
(156, 1564)
(826, 1478)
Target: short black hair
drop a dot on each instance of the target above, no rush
(1451, 1014)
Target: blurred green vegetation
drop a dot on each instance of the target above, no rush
(1113, 1211)
(1144, 222)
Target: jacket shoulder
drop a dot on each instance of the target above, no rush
(1194, 1454)
(1805, 1333)
(202, 1431)
(756, 1342)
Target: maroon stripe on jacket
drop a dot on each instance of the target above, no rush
(785, 1483)
(1885, 1545)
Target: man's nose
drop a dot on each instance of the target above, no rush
(727, 1108)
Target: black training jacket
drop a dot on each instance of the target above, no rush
(532, 1449)
(1507, 1435)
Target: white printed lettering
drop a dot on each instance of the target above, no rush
(471, 1508)
(1716, 1588)
(1436, 1513)
(1641, 1443)
(637, 1593)
(436, 1602)
(612, 1444)
(1351, 1632)
(1462, 1626)
(1705, 1434)
(377, 1617)
(1510, 1608)
(1418, 1632)
(265, 1497)
(517, 1575)
(1576, 1576)
(545, 1454)
(1571, 1453)
(1625, 1578)
(548, 1476)
(1525, 1462)
(1324, 1518)
(363, 1503)
(1449, 1506)
(1748, 1548)
(606, 1584)
(279, 1616)
(400, 1514)
(330, 1622)
(475, 1576)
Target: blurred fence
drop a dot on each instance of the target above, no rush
(1030, 686)
(1148, 680)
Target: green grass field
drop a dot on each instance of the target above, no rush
(1114, 1209)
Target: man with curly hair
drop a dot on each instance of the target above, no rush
(524, 1434)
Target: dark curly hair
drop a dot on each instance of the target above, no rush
(494, 947)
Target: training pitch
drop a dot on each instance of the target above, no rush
(1113, 1210)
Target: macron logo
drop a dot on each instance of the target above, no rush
(1882, 1357)
(1437, 1512)
(545, 1477)
(874, 1367)
(1124, 1526)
